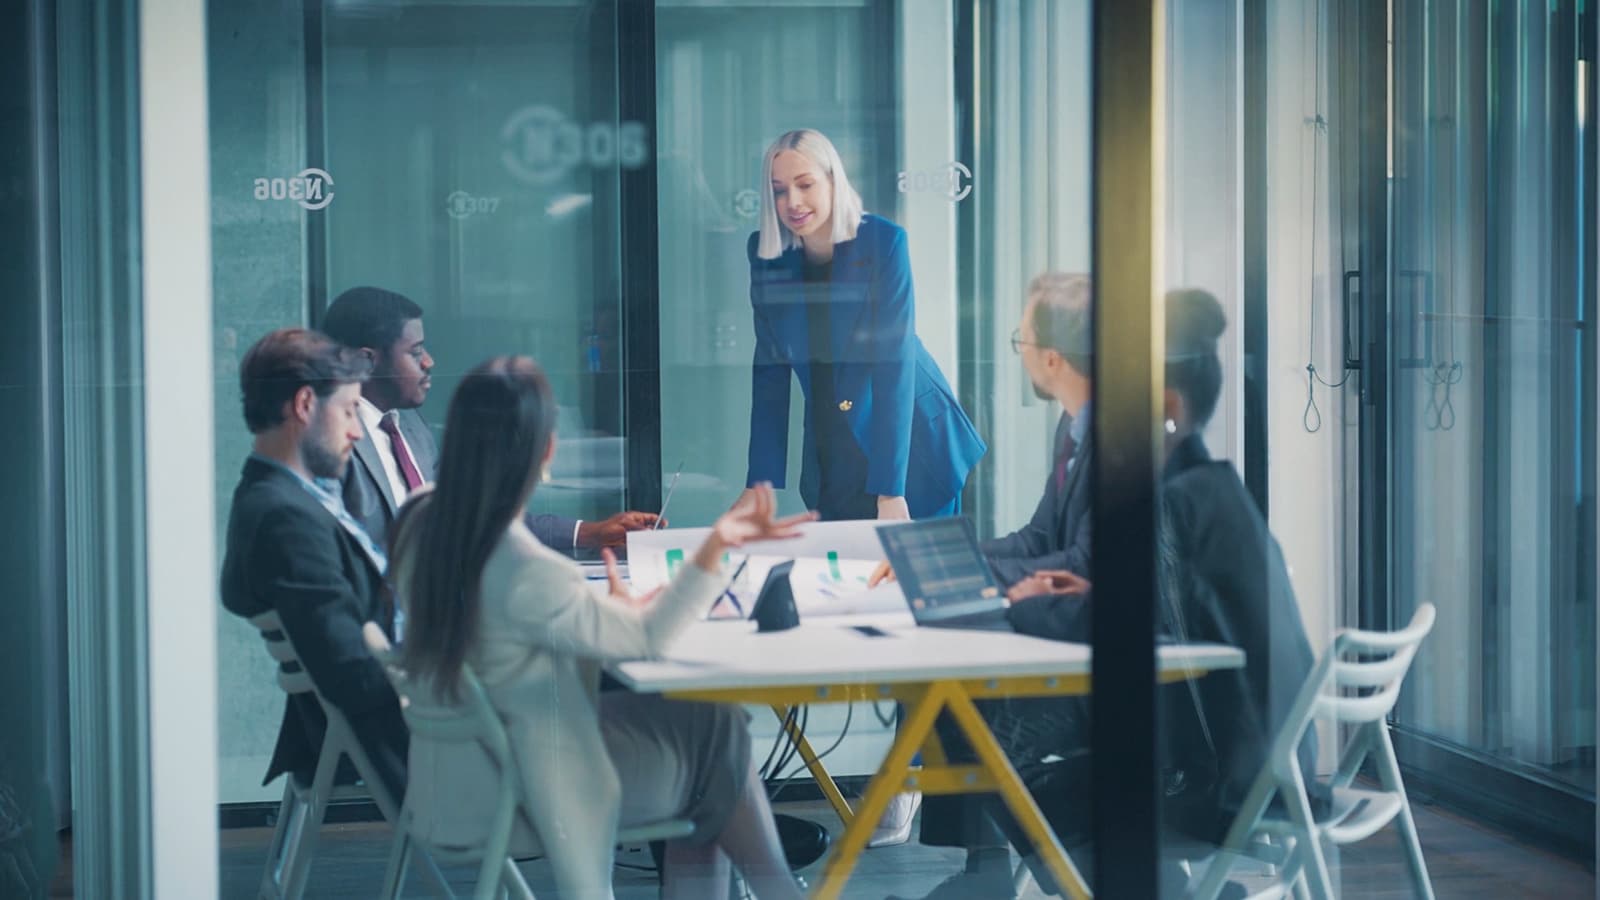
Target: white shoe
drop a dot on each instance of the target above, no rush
(895, 826)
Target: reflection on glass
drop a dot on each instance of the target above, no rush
(728, 81)
(474, 162)
(1493, 495)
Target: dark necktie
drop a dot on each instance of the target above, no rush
(390, 423)
(1064, 456)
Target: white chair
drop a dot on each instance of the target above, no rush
(475, 720)
(294, 839)
(1356, 683)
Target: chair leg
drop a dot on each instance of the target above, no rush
(1021, 879)
(1307, 840)
(394, 875)
(283, 838)
(431, 874)
(1389, 775)
(313, 808)
(374, 785)
(516, 886)
(1255, 803)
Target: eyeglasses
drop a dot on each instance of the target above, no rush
(1017, 343)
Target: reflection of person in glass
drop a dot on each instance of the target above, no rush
(831, 289)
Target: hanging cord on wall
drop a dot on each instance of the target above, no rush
(1437, 416)
(1442, 376)
(1311, 419)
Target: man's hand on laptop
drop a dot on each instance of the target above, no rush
(1046, 582)
(884, 572)
(613, 531)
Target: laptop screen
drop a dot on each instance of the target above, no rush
(940, 569)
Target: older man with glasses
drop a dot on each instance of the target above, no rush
(1050, 554)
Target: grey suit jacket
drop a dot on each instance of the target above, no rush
(368, 497)
(1057, 537)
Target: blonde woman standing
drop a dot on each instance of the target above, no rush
(831, 292)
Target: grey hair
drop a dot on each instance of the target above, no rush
(847, 207)
(1063, 316)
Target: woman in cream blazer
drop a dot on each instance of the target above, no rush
(479, 588)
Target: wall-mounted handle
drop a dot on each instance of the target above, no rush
(1351, 360)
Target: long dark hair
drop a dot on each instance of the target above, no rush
(501, 421)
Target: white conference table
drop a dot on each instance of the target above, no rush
(931, 670)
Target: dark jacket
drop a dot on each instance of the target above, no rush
(1223, 581)
(368, 497)
(1057, 537)
(285, 552)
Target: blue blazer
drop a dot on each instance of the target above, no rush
(918, 442)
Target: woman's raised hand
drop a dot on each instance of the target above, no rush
(752, 518)
(620, 591)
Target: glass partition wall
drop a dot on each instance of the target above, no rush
(580, 182)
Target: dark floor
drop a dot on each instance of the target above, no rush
(1465, 860)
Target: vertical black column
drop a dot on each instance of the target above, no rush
(641, 260)
(1127, 403)
(976, 365)
(1371, 80)
(1253, 125)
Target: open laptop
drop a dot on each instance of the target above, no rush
(944, 576)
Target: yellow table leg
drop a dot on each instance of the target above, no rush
(825, 781)
(1015, 794)
(889, 780)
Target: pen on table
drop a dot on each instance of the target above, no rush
(661, 516)
(728, 592)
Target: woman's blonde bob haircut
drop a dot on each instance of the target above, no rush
(847, 211)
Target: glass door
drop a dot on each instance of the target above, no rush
(1485, 385)
(466, 156)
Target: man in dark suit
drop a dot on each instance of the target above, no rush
(292, 548)
(397, 452)
(1055, 344)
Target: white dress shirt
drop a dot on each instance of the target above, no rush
(371, 416)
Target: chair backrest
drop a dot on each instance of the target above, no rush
(431, 716)
(1372, 663)
(292, 676)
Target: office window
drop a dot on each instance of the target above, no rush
(728, 82)
(1491, 393)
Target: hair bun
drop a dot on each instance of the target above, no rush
(1194, 319)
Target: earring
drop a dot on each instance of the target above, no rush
(1172, 427)
(544, 474)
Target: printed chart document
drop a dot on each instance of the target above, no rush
(833, 561)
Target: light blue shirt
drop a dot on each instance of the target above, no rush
(326, 490)
(1078, 430)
